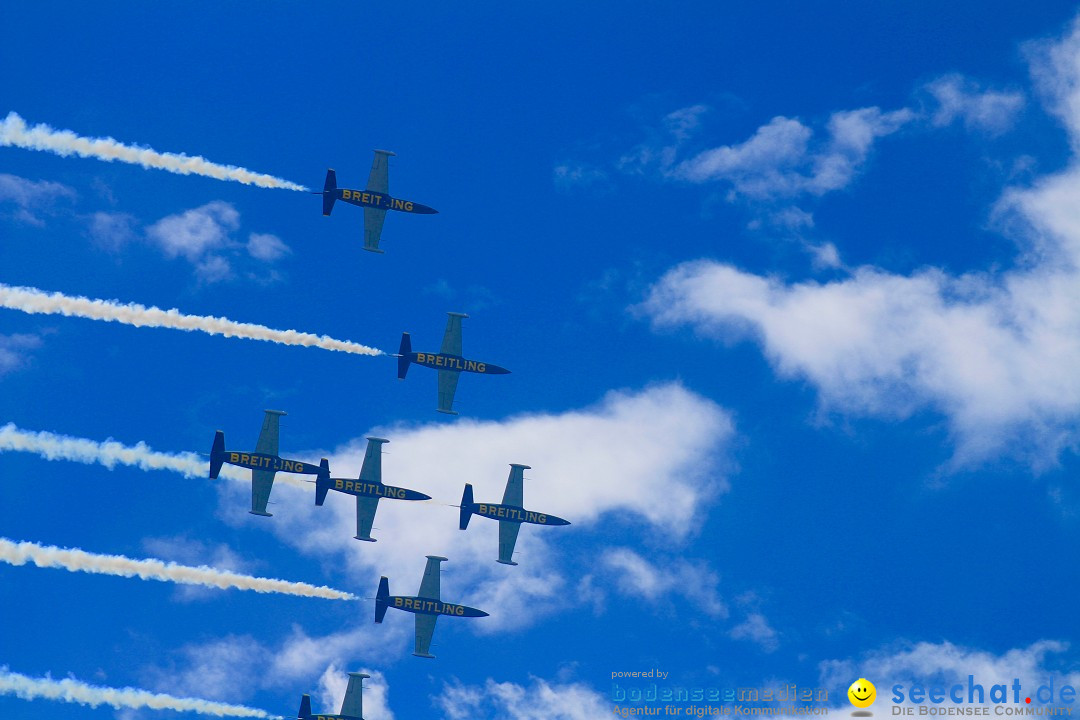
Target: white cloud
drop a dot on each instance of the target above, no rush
(510, 701)
(995, 352)
(779, 160)
(193, 233)
(32, 197)
(14, 350)
(693, 580)
(960, 98)
(569, 176)
(653, 457)
(755, 628)
(111, 230)
(1056, 72)
(266, 247)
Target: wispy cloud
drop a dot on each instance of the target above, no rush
(993, 351)
(961, 99)
(32, 197)
(15, 350)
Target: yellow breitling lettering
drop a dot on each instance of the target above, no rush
(542, 519)
(502, 512)
(245, 458)
(234, 457)
(346, 194)
(421, 357)
(481, 367)
(398, 601)
(338, 484)
(408, 205)
(364, 197)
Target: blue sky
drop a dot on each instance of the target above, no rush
(788, 292)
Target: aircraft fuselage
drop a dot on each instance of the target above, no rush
(428, 606)
(381, 201)
(455, 363)
(363, 488)
(272, 463)
(510, 513)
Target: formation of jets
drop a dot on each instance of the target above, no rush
(368, 488)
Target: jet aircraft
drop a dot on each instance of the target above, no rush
(368, 489)
(375, 199)
(351, 707)
(510, 513)
(448, 362)
(426, 605)
(264, 462)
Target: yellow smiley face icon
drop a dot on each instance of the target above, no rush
(862, 693)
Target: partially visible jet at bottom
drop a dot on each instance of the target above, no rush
(448, 362)
(510, 513)
(426, 605)
(368, 489)
(351, 707)
(264, 462)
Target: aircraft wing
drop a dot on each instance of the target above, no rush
(268, 436)
(514, 486)
(379, 179)
(353, 704)
(425, 628)
(373, 222)
(429, 586)
(365, 515)
(448, 381)
(261, 483)
(508, 532)
(372, 467)
(451, 340)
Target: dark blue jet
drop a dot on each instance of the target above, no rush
(369, 489)
(375, 199)
(264, 462)
(426, 605)
(510, 513)
(448, 362)
(352, 706)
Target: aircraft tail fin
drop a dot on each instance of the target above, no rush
(404, 356)
(466, 507)
(381, 602)
(322, 482)
(329, 192)
(305, 708)
(217, 454)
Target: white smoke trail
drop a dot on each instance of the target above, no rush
(14, 132)
(39, 302)
(73, 691)
(111, 453)
(50, 556)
